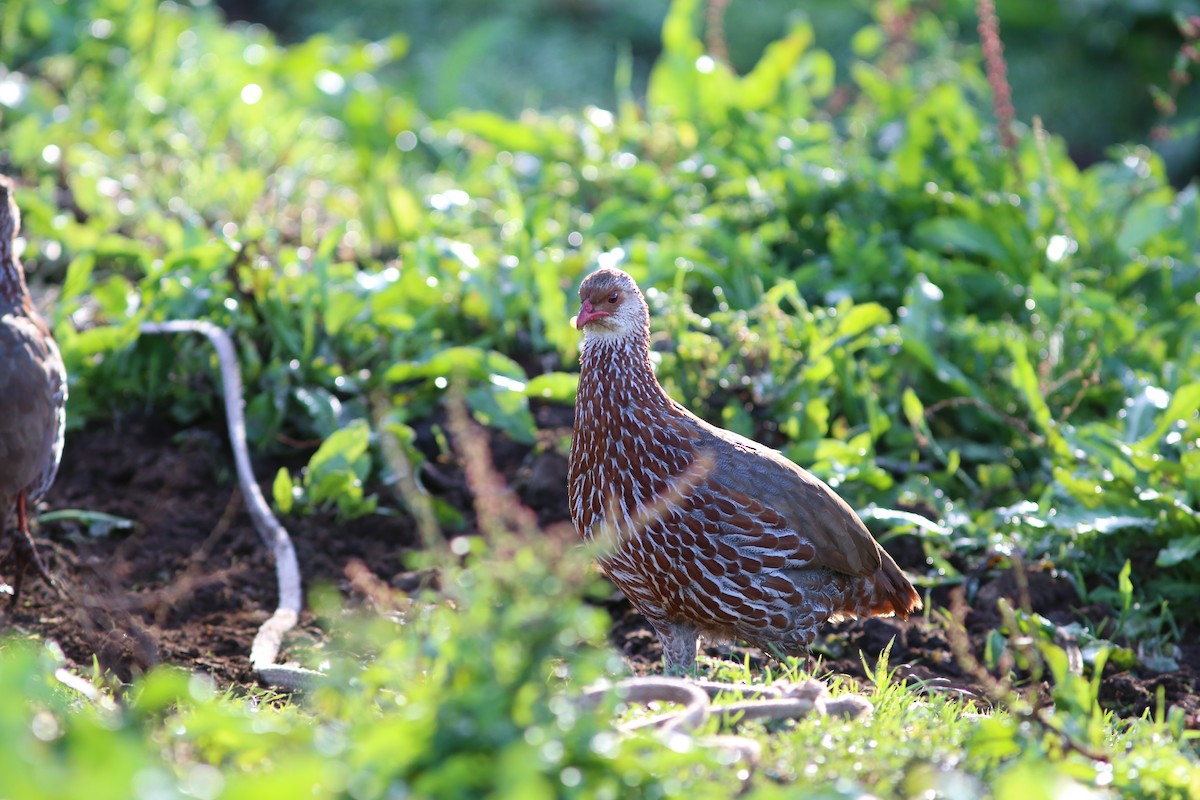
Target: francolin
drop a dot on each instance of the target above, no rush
(33, 394)
(705, 531)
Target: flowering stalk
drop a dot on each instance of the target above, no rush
(997, 74)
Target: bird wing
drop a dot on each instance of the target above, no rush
(29, 423)
(809, 506)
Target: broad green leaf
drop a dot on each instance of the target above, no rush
(862, 318)
(896, 515)
(941, 368)
(504, 406)
(994, 739)
(1179, 551)
(94, 341)
(79, 277)
(1140, 411)
(340, 309)
(761, 86)
(1099, 520)
(672, 88)
(113, 295)
(323, 407)
(561, 387)
(405, 211)
(1185, 402)
(342, 450)
(471, 364)
(1149, 217)
(539, 137)
(957, 235)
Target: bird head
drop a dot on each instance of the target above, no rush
(611, 304)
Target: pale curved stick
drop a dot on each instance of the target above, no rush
(786, 701)
(649, 690)
(269, 638)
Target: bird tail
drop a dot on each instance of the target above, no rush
(893, 591)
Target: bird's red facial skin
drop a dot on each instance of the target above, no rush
(587, 313)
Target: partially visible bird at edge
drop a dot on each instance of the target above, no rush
(706, 532)
(33, 396)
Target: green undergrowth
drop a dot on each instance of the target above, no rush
(469, 692)
(987, 347)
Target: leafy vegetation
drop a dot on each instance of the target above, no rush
(1103, 54)
(848, 266)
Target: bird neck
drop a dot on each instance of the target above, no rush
(14, 295)
(618, 368)
(13, 292)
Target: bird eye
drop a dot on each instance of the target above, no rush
(612, 298)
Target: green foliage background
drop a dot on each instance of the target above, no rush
(842, 261)
(1085, 66)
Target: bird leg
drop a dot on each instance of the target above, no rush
(678, 646)
(807, 662)
(24, 553)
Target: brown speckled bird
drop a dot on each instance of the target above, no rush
(705, 531)
(33, 395)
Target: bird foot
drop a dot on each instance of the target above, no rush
(24, 554)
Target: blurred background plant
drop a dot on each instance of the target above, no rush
(1094, 70)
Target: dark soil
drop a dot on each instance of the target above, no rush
(191, 582)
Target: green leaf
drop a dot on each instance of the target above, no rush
(914, 410)
(1185, 402)
(97, 523)
(862, 318)
(672, 88)
(341, 308)
(1148, 218)
(113, 295)
(79, 277)
(555, 316)
(957, 235)
(896, 515)
(281, 491)
(560, 387)
(1179, 551)
(342, 448)
(1099, 520)
(336, 472)
(994, 739)
(502, 404)
(406, 213)
(1140, 411)
(1056, 659)
(95, 341)
(1125, 586)
(471, 364)
(761, 86)
(323, 407)
(535, 137)
(1024, 379)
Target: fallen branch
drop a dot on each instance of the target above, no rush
(269, 638)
